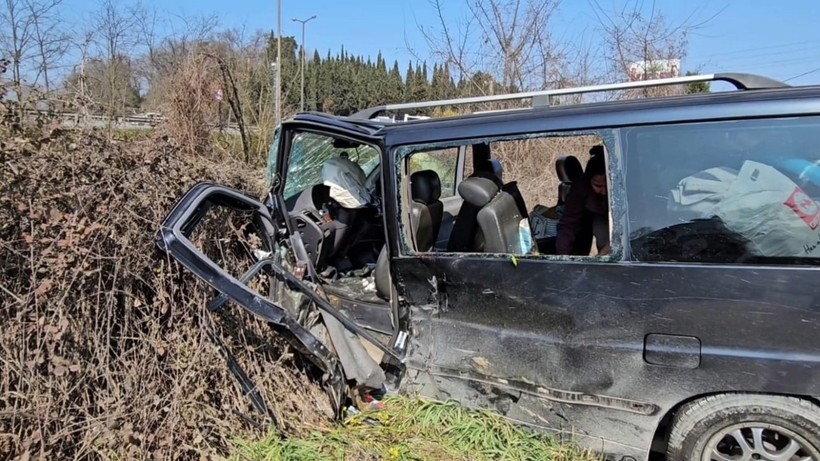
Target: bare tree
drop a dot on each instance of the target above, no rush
(162, 55)
(15, 40)
(509, 40)
(642, 44)
(79, 85)
(115, 27)
(32, 40)
(51, 42)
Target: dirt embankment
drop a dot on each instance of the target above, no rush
(103, 344)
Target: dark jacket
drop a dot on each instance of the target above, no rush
(583, 209)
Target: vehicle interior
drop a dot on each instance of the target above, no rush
(333, 195)
(488, 206)
(460, 201)
(663, 229)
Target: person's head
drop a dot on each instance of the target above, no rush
(597, 149)
(595, 173)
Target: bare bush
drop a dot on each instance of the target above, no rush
(191, 112)
(531, 162)
(104, 346)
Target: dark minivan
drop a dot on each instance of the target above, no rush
(403, 256)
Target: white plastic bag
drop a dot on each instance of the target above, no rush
(544, 221)
(761, 204)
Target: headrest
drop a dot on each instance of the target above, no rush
(425, 186)
(569, 169)
(477, 191)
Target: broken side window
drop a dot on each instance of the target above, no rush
(516, 194)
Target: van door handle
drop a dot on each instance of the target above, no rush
(672, 350)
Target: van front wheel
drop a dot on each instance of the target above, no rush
(746, 427)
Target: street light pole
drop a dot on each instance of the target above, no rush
(279, 62)
(302, 98)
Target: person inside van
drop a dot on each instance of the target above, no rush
(586, 211)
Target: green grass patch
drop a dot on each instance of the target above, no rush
(415, 429)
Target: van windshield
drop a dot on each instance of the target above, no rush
(309, 151)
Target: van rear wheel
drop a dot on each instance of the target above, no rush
(746, 427)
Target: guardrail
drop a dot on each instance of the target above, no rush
(125, 121)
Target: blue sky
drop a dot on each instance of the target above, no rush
(780, 39)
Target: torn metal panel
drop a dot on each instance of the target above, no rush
(173, 239)
(358, 365)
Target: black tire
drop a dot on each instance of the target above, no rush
(717, 421)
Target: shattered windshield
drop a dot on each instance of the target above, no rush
(309, 151)
(274, 150)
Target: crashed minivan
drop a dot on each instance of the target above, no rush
(402, 257)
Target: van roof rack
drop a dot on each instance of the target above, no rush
(542, 98)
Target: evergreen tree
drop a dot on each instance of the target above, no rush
(448, 83)
(409, 80)
(395, 86)
(344, 83)
(317, 79)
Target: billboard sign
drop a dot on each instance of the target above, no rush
(657, 68)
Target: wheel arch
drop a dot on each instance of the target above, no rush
(660, 437)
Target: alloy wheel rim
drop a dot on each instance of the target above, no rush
(758, 441)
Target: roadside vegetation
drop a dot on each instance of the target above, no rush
(414, 429)
(104, 343)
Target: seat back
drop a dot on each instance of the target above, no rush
(477, 191)
(497, 169)
(569, 170)
(512, 189)
(498, 222)
(426, 208)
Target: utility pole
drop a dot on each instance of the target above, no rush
(278, 70)
(302, 98)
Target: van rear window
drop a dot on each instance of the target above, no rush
(725, 192)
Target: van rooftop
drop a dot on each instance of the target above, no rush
(541, 98)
